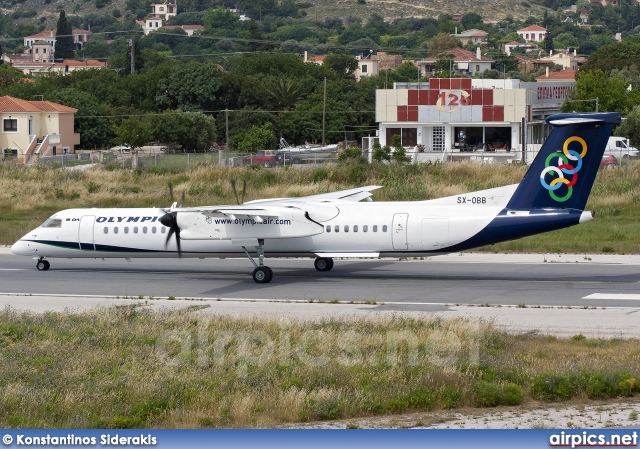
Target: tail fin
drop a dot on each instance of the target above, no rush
(562, 174)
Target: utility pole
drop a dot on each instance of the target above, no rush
(324, 108)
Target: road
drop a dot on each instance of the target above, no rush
(561, 294)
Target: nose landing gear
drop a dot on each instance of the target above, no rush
(42, 264)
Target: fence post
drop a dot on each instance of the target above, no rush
(188, 155)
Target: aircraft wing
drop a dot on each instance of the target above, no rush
(355, 195)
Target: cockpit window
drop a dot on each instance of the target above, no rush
(52, 223)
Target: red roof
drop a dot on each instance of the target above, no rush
(43, 34)
(11, 104)
(566, 74)
(87, 63)
(533, 28)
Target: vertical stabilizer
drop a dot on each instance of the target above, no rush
(562, 174)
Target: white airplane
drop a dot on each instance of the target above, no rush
(552, 195)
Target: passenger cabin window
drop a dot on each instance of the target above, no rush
(346, 228)
(126, 229)
(365, 228)
(144, 230)
(153, 230)
(163, 229)
(52, 223)
(106, 230)
(384, 228)
(355, 228)
(115, 230)
(328, 228)
(337, 228)
(135, 229)
(375, 228)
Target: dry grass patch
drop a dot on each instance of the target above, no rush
(124, 367)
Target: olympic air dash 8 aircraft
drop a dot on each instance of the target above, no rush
(552, 195)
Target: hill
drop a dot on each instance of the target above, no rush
(318, 9)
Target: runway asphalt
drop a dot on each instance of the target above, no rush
(564, 295)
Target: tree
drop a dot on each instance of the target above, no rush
(192, 86)
(442, 42)
(64, 39)
(257, 138)
(399, 154)
(135, 132)
(191, 131)
(89, 121)
(381, 154)
(343, 65)
(472, 20)
(547, 44)
(611, 92)
(630, 127)
(285, 93)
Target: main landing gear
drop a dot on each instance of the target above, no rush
(323, 263)
(261, 274)
(42, 264)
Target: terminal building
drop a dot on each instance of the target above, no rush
(464, 118)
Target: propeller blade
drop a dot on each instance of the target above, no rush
(178, 243)
(235, 192)
(170, 220)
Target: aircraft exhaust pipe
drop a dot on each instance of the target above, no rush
(586, 215)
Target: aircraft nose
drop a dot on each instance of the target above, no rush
(22, 248)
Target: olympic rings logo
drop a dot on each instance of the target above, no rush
(569, 162)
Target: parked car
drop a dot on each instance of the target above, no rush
(608, 160)
(266, 158)
(283, 158)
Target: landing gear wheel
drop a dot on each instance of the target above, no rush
(262, 275)
(323, 263)
(43, 265)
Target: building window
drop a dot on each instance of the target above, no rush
(364, 68)
(10, 125)
(477, 68)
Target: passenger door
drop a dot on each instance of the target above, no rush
(85, 233)
(399, 231)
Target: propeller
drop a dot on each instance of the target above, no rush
(170, 220)
(235, 191)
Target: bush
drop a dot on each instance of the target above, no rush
(553, 387)
(490, 394)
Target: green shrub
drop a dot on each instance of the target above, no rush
(451, 397)
(553, 387)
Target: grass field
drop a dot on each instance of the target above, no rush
(29, 195)
(123, 368)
